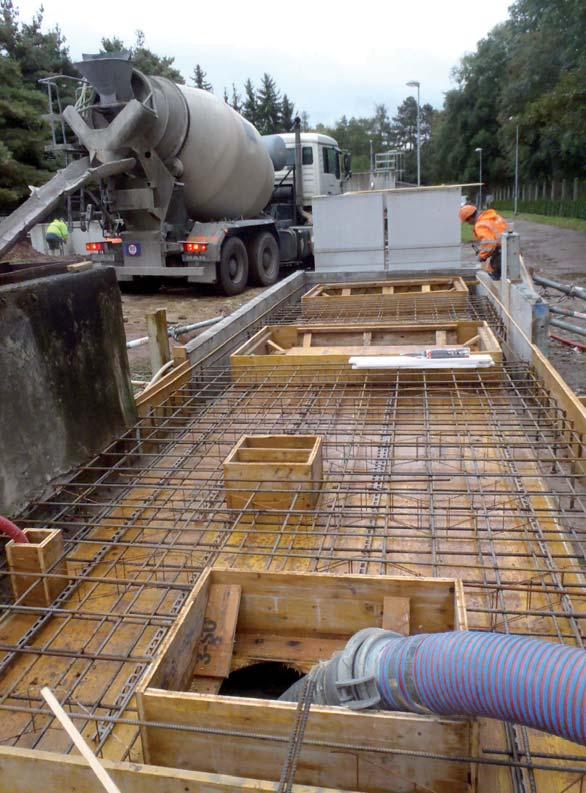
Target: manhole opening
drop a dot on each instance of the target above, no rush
(262, 681)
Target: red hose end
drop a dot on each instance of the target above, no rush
(12, 531)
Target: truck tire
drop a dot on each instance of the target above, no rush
(233, 267)
(264, 259)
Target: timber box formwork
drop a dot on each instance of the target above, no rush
(478, 479)
(235, 619)
(274, 472)
(321, 353)
(384, 297)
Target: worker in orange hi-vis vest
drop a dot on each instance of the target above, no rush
(489, 226)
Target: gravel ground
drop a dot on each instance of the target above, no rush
(559, 254)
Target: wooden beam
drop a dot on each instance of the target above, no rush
(159, 349)
(78, 740)
(30, 770)
(216, 643)
(397, 615)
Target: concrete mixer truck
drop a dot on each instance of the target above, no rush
(183, 186)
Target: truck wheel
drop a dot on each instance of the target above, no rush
(233, 267)
(264, 259)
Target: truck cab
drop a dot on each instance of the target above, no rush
(323, 164)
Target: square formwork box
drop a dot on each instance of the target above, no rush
(44, 553)
(274, 472)
(384, 297)
(235, 619)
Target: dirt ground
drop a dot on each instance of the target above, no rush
(184, 306)
(559, 254)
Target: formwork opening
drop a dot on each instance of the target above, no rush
(265, 680)
(243, 638)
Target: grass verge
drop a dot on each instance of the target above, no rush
(575, 224)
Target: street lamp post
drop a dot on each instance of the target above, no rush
(479, 152)
(417, 84)
(516, 168)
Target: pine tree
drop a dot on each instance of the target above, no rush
(236, 101)
(269, 106)
(250, 108)
(305, 127)
(199, 79)
(287, 113)
(144, 59)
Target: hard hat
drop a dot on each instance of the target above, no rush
(466, 212)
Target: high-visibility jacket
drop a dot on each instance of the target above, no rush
(59, 228)
(488, 230)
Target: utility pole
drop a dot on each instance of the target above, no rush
(417, 84)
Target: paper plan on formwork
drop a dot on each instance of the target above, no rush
(477, 361)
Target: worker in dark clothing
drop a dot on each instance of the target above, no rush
(57, 235)
(489, 227)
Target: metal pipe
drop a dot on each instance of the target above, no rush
(559, 323)
(568, 289)
(173, 333)
(566, 312)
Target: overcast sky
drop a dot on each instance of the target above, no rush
(330, 58)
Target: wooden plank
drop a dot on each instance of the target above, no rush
(377, 772)
(276, 347)
(206, 685)
(397, 615)
(30, 771)
(425, 288)
(216, 644)
(303, 652)
(159, 349)
(441, 338)
(346, 292)
(79, 267)
(307, 339)
(71, 730)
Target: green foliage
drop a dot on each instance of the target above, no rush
(268, 106)
(26, 55)
(144, 59)
(199, 79)
(287, 114)
(558, 208)
(249, 109)
(528, 72)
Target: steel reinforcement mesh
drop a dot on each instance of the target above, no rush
(476, 479)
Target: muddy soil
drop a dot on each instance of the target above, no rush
(559, 254)
(184, 306)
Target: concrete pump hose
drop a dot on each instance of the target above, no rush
(12, 531)
(468, 673)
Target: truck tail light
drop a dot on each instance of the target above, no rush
(195, 247)
(95, 247)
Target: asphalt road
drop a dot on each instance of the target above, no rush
(559, 254)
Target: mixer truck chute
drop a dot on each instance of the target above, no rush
(185, 183)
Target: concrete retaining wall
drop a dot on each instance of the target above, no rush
(64, 380)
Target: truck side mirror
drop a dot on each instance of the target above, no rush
(347, 164)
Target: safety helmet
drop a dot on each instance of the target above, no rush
(466, 212)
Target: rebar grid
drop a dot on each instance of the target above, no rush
(478, 479)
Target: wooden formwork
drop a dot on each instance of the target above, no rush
(274, 472)
(383, 296)
(321, 353)
(234, 619)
